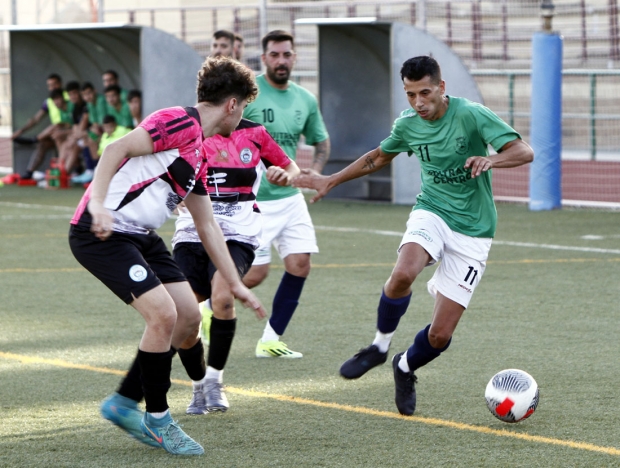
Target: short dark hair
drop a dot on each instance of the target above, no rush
(57, 93)
(108, 119)
(417, 68)
(87, 85)
(224, 33)
(112, 87)
(54, 76)
(277, 35)
(221, 78)
(72, 86)
(134, 93)
(238, 37)
(110, 72)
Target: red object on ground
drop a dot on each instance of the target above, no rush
(10, 179)
(26, 182)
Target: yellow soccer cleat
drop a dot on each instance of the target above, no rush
(275, 349)
(206, 313)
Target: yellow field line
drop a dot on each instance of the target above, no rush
(340, 407)
(41, 270)
(340, 265)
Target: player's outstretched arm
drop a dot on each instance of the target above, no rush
(136, 143)
(35, 119)
(282, 175)
(213, 240)
(367, 164)
(512, 154)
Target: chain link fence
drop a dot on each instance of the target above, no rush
(493, 38)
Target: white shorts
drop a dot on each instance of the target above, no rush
(463, 258)
(286, 225)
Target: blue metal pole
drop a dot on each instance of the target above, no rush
(546, 122)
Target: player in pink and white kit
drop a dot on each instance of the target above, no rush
(235, 168)
(139, 181)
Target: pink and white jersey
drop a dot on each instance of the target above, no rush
(146, 189)
(236, 164)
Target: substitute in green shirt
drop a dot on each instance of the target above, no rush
(95, 102)
(111, 132)
(117, 107)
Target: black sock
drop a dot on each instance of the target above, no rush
(155, 379)
(193, 360)
(131, 386)
(220, 340)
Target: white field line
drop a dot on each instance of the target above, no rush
(495, 241)
(12, 217)
(368, 231)
(34, 206)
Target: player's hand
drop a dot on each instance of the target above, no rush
(180, 208)
(278, 176)
(248, 299)
(311, 179)
(478, 165)
(102, 220)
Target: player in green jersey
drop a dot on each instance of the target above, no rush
(453, 221)
(287, 111)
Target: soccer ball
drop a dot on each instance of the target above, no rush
(512, 395)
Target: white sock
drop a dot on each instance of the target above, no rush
(403, 365)
(160, 415)
(213, 373)
(196, 384)
(269, 334)
(383, 340)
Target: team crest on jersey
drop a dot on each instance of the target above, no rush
(298, 117)
(222, 156)
(461, 145)
(245, 155)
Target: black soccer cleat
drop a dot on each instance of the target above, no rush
(404, 384)
(362, 362)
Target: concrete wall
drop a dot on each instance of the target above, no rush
(163, 67)
(361, 94)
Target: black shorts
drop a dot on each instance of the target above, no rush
(128, 264)
(195, 263)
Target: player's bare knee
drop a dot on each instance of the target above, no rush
(162, 323)
(255, 276)
(298, 265)
(223, 306)
(438, 339)
(399, 282)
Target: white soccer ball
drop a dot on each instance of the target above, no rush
(512, 395)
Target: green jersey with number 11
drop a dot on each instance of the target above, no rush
(442, 146)
(286, 114)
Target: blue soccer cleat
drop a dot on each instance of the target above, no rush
(168, 435)
(124, 413)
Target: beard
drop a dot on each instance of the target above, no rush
(278, 79)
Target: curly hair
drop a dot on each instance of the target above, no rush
(221, 78)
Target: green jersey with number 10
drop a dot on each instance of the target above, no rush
(286, 114)
(442, 146)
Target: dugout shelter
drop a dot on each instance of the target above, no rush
(361, 94)
(164, 68)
